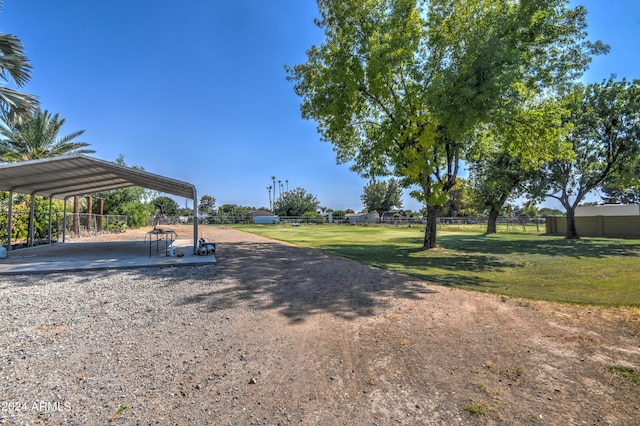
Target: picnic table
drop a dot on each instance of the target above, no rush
(161, 237)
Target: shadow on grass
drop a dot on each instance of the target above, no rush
(513, 244)
(298, 282)
(471, 260)
(381, 255)
(438, 267)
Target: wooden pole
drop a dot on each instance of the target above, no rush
(101, 213)
(76, 217)
(89, 206)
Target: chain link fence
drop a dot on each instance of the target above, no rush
(76, 225)
(471, 223)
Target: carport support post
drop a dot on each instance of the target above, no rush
(10, 221)
(195, 221)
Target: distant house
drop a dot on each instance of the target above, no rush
(362, 217)
(256, 213)
(263, 217)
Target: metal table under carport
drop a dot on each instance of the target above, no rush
(161, 237)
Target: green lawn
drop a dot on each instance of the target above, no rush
(600, 271)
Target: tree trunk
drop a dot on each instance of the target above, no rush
(430, 230)
(100, 215)
(76, 216)
(491, 221)
(89, 208)
(572, 231)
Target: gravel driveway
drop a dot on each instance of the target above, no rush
(276, 334)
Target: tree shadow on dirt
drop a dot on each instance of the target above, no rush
(299, 282)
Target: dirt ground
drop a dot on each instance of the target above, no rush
(275, 334)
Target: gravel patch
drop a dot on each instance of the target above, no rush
(276, 335)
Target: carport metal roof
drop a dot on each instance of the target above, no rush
(80, 175)
(62, 177)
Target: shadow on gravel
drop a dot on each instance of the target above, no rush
(299, 282)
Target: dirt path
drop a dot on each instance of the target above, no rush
(277, 334)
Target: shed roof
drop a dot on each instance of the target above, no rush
(65, 176)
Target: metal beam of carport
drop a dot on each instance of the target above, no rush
(81, 175)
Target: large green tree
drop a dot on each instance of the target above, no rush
(623, 186)
(295, 202)
(605, 143)
(397, 86)
(207, 204)
(231, 213)
(495, 178)
(460, 202)
(499, 160)
(36, 137)
(166, 206)
(14, 68)
(614, 193)
(381, 196)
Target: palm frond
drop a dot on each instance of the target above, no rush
(14, 67)
(14, 62)
(37, 137)
(14, 105)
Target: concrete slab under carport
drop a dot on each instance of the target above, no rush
(86, 256)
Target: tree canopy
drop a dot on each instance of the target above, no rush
(460, 202)
(614, 193)
(605, 144)
(207, 204)
(398, 86)
(132, 201)
(381, 196)
(295, 202)
(166, 206)
(501, 160)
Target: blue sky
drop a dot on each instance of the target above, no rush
(197, 91)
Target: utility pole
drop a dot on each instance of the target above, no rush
(273, 178)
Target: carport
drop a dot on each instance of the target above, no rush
(82, 175)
